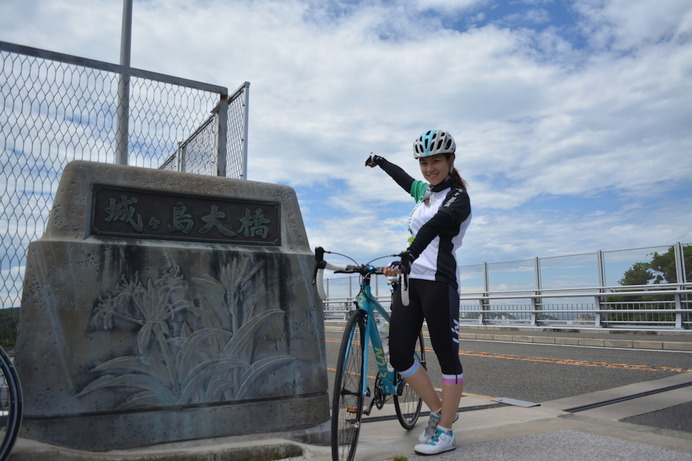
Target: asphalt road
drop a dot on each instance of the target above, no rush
(539, 373)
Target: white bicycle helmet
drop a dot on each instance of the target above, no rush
(434, 142)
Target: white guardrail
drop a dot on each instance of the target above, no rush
(651, 307)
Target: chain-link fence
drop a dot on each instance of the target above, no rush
(192, 154)
(57, 108)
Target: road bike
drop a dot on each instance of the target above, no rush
(361, 341)
(10, 405)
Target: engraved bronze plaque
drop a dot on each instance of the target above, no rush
(140, 213)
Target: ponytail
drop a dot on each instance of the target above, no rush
(458, 179)
(455, 175)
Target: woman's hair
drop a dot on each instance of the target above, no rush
(455, 175)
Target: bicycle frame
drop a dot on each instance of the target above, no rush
(367, 302)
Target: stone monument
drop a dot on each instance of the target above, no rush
(161, 306)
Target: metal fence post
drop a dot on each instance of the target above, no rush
(598, 318)
(679, 263)
(679, 324)
(246, 96)
(535, 302)
(680, 276)
(180, 158)
(484, 305)
(221, 135)
(123, 133)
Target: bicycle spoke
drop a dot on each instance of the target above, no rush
(406, 402)
(347, 404)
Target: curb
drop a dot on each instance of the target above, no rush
(198, 450)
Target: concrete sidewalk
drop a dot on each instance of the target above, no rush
(486, 430)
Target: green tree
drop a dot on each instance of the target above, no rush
(638, 274)
(664, 265)
(661, 269)
(9, 318)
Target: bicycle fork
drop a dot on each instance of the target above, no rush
(384, 386)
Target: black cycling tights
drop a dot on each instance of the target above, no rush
(438, 304)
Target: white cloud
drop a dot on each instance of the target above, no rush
(625, 25)
(534, 113)
(448, 5)
(89, 29)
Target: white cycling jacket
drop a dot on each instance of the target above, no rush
(437, 261)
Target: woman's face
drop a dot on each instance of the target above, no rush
(436, 168)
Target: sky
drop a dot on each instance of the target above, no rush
(573, 120)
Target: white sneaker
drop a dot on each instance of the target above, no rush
(442, 441)
(430, 430)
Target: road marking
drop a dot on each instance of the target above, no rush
(556, 361)
(583, 363)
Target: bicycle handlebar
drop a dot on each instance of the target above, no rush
(364, 269)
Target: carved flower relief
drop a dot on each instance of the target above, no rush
(188, 352)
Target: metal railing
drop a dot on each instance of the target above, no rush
(192, 155)
(653, 306)
(57, 108)
(602, 307)
(563, 308)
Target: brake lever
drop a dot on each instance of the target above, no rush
(320, 263)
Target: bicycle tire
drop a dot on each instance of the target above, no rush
(10, 405)
(347, 399)
(406, 402)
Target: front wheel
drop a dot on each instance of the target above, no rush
(347, 400)
(406, 402)
(10, 405)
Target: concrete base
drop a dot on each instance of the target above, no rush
(135, 330)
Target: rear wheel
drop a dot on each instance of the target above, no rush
(347, 400)
(406, 402)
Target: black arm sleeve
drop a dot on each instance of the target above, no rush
(397, 174)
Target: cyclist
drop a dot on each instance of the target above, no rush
(437, 225)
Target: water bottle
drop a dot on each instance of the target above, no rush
(383, 330)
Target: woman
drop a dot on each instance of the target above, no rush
(437, 225)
